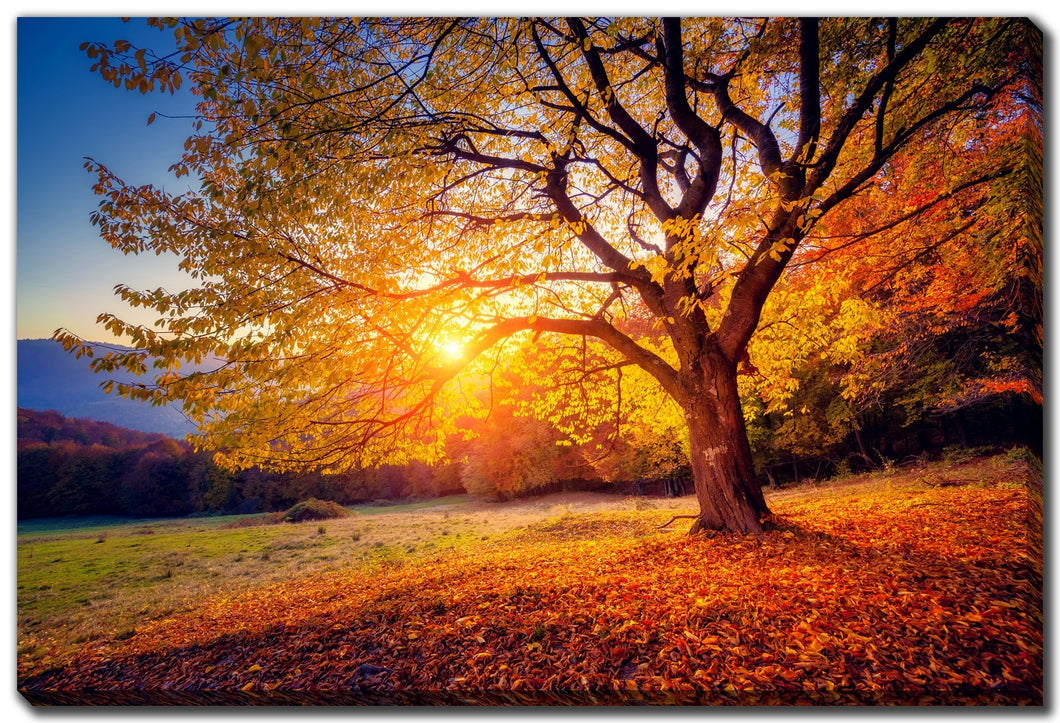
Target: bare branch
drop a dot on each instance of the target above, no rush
(706, 137)
(856, 110)
(809, 89)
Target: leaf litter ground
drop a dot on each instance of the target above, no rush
(922, 589)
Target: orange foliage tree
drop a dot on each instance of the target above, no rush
(923, 293)
(382, 204)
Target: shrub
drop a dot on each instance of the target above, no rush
(311, 509)
(842, 469)
(959, 455)
(314, 509)
(1014, 456)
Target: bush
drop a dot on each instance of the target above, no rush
(954, 454)
(314, 509)
(311, 509)
(1015, 456)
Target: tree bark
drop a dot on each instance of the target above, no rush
(727, 490)
(862, 449)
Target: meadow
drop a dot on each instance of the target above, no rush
(97, 579)
(914, 585)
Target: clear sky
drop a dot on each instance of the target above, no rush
(64, 112)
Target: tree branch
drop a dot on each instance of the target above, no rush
(901, 138)
(830, 155)
(769, 157)
(809, 89)
(705, 136)
(644, 146)
(903, 218)
(597, 328)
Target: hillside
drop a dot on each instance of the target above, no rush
(51, 427)
(49, 378)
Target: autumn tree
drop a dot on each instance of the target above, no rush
(510, 460)
(920, 298)
(379, 205)
(958, 279)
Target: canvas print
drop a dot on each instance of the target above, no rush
(530, 361)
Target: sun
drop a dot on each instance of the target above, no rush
(453, 349)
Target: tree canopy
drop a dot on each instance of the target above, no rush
(383, 211)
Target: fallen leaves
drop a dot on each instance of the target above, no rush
(928, 596)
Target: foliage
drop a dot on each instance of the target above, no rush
(917, 305)
(510, 460)
(382, 204)
(953, 282)
(650, 457)
(845, 601)
(68, 479)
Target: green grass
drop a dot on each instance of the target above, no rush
(411, 506)
(63, 570)
(61, 525)
(81, 580)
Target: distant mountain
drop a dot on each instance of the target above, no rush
(50, 378)
(36, 427)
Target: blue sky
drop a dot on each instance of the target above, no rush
(65, 272)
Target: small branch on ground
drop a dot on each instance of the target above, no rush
(677, 517)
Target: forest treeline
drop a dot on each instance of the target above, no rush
(74, 467)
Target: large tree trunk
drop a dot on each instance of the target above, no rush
(728, 493)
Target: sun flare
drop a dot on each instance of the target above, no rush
(453, 349)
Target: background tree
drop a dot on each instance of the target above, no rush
(92, 472)
(920, 300)
(510, 457)
(154, 485)
(381, 204)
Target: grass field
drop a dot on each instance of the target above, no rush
(96, 579)
(924, 579)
